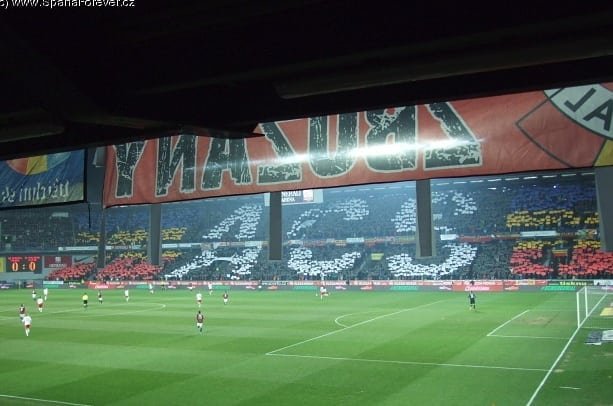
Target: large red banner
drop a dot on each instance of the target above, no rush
(553, 129)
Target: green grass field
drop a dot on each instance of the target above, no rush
(282, 348)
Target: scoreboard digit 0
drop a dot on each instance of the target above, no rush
(24, 263)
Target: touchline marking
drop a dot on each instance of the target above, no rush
(351, 326)
(57, 402)
(506, 322)
(570, 340)
(104, 306)
(569, 387)
(89, 315)
(385, 361)
(162, 306)
(82, 311)
(537, 337)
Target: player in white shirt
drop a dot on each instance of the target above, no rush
(40, 303)
(27, 323)
(199, 299)
(210, 288)
(45, 293)
(151, 288)
(126, 294)
(225, 297)
(323, 292)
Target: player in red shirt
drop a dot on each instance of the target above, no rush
(199, 321)
(22, 312)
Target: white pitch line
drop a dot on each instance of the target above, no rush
(569, 387)
(506, 322)
(554, 310)
(336, 320)
(351, 326)
(104, 306)
(570, 340)
(57, 402)
(161, 306)
(384, 361)
(597, 328)
(536, 337)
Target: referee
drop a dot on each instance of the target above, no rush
(471, 300)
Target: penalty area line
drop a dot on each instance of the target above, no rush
(351, 326)
(384, 361)
(570, 340)
(506, 322)
(55, 402)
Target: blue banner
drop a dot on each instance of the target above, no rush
(41, 180)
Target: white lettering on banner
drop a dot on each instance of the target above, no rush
(177, 158)
(38, 193)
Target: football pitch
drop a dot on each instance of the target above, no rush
(291, 347)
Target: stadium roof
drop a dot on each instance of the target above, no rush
(75, 77)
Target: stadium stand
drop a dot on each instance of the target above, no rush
(302, 262)
(515, 227)
(330, 238)
(588, 262)
(237, 264)
(492, 260)
(564, 207)
(531, 259)
(452, 260)
(73, 273)
(128, 269)
(246, 217)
